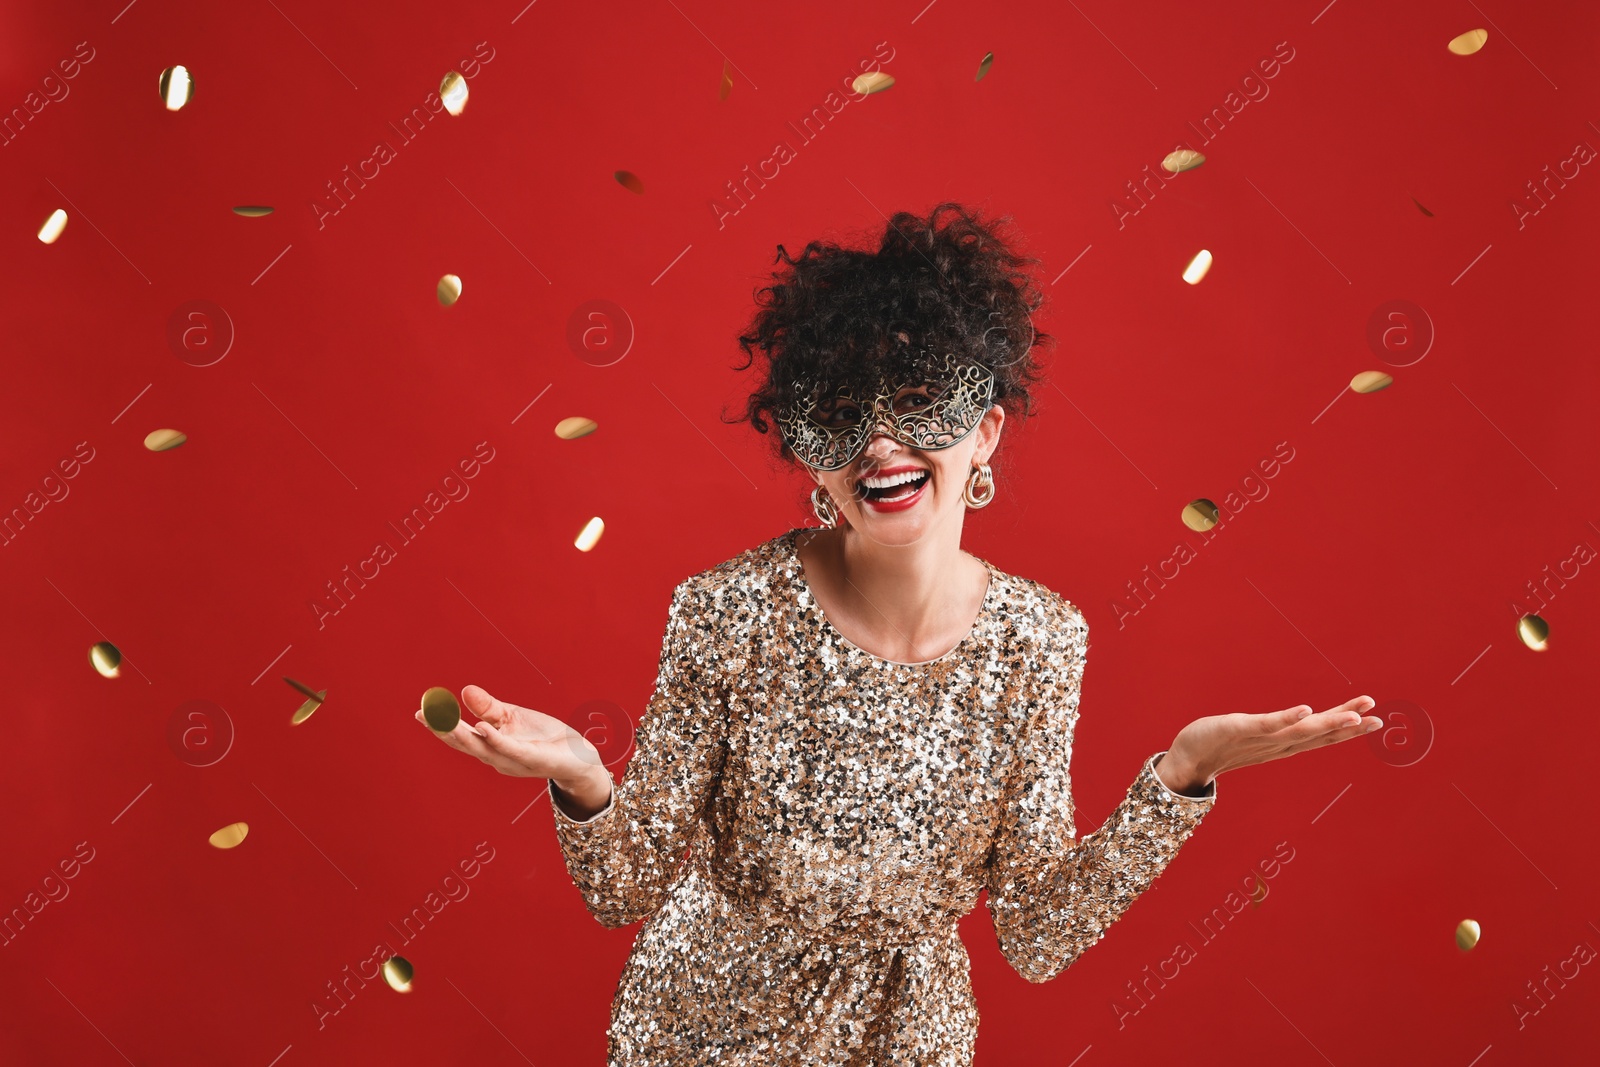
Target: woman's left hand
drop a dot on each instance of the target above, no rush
(1216, 743)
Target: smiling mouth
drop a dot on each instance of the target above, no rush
(901, 490)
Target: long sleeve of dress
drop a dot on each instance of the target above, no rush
(624, 858)
(1051, 896)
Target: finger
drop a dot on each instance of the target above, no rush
(503, 743)
(463, 737)
(484, 706)
(467, 739)
(507, 754)
(1352, 726)
(499, 743)
(1300, 723)
(1286, 717)
(1360, 704)
(1350, 713)
(1306, 730)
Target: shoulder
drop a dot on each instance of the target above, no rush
(1048, 633)
(736, 582)
(1032, 604)
(715, 611)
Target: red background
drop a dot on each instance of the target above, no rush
(1390, 556)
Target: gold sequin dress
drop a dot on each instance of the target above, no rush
(801, 824)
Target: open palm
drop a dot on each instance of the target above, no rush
(1218, 743)
(518, 741)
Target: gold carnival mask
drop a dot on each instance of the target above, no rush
(929, 412)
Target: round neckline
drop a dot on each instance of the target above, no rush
(802, 585)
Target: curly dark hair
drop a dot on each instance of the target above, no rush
(944, 283)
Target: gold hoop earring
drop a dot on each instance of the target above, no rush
(981, 478)
(822, 505)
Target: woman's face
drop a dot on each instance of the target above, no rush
(927, 489)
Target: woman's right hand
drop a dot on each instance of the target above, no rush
(519, 741)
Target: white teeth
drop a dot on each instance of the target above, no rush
(906, 495)
(878, 482)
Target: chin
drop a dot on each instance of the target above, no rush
(905, 526)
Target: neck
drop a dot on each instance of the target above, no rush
(914, 590)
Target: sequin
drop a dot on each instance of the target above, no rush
(802, 824)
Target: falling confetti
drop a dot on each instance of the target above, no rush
(449, 289)
(230, 836)
(106, 659)
(875, 81)
(313, 701)
(177, 88)
(590, 535)
(439, 707)
(570, 429)
(397, 972)
(1534, 631)
(453, 91)
(1181, 160)
(1198, 267)
(53, 226)
(163, 440)
(1200, 515)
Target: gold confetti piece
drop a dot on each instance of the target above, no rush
(630, 181)
(874, 81)
(162, 440)
(1534, 631)
(397, 972)
(1467, 934)
(306, 710)
(449, 289)
(570, 429)
(590, 535)
(1258, 893)
(105, 658)
(1468, 42)
(177, 88)
(439, 707)
(1198, 267)
(53, 226)
(983, 67)
(727, 82)
(1200, 515)
(453, 91)
(230, 836)
(1420, 208)
(313, 701)
(1181, 160)
(251, 211)
(1370, 381)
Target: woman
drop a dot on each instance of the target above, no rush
(856, 728)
